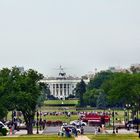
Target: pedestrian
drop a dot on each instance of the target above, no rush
(43, 124)
(96, 130)
(116, 129)
(82, 130)
(67, 132)
(99, 129)
(74, 131)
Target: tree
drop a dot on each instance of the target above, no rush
(90, 97)
(79, 91)
(94, 87)
(99, 79)
(20, 91)
(25, 94)
(5, 89)
(123, 88)
(135, 69)
(102, 100)
(45, 94)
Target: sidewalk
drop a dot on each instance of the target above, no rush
(122, 131)
(22, 132)
(81, 137)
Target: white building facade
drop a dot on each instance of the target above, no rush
(62, 86)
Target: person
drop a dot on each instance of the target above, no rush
(82, 130)
(67, 132)
(61, 131)
(74, 131)
(68, 114)
(116, 129)
(128, 126)
(44, 124)
(103, 128)
(96, 130)
(99, 129)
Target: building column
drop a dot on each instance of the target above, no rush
(55, 94)
(59, 90)
(63, 90)
(51, 88)
(67, 90)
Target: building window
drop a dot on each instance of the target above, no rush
(53, 85)
(57, 86)
(60, 92)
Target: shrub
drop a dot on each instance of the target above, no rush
(4, 131)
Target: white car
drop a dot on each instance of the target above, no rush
(2, 125)
(78, 123)
(70, 127)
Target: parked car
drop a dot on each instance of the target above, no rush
(2, 125)
(78, 123)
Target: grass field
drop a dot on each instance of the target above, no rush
(55, 137)
(35, 137)
(64, 118)
(60, 102)
(113, 137)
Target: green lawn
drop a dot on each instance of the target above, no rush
(62, 118)
(118, 118)
(55, 137)
(114, 137)
(37, 137)
(60, 102)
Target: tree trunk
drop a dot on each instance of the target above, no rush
(29, 118)
(30, 126)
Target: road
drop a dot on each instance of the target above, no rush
(87, 130)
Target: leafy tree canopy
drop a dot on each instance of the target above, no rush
(99, 79)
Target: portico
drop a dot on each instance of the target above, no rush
(62, 86)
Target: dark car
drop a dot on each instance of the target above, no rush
(132, 124)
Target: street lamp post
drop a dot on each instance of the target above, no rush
(137, 121)
(109, 115)
(40, 120)
(128, 106)
(113, 117)
(124, 115)
(37, 121)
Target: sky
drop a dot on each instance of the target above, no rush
(79, 35)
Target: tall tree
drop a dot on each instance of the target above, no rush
(25, 93)
(99, 79)
(5, 89)
(123, 89)
(135, 69)
(90, 97)
(102, 100)
(80, 90)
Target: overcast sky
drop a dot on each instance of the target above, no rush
(80, 35)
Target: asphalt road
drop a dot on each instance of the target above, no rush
(55, 130)
(87, 130)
